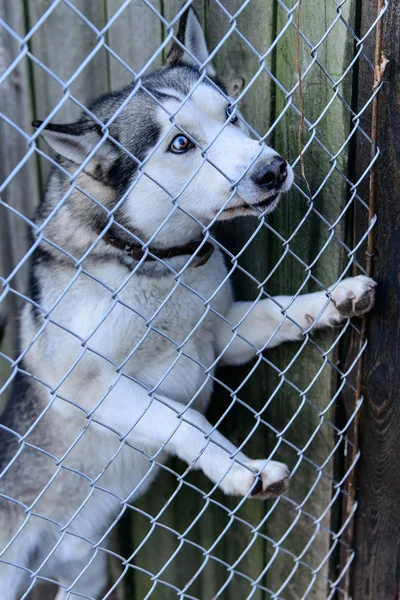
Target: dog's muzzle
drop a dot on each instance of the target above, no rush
(270, 178)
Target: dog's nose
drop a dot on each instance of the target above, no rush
(272, 175)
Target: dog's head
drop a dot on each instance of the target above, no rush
(174, 147)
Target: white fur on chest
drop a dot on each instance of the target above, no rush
(158, 330)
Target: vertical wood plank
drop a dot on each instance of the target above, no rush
(334, 54)
(376, 572)
(135, 36)
(237, 64)
(62, 44)
(22, 193)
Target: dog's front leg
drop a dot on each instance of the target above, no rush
(282, 318)
(154, 424)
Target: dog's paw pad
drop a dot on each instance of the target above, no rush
(278, 488)
(365, 303)
(272, 482)
(345, 308)
(353, 297)
(259, 479)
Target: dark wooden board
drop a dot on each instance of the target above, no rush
(376, 574)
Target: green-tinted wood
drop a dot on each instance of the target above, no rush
(22, 193)
(237, 65)
(334, 53)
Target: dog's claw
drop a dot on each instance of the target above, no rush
(257, 488)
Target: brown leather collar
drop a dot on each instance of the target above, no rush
(137, 253)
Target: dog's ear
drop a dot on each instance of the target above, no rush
(76, 141)
(191, 36)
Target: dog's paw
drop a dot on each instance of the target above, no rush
(271, 482)
(353, 297)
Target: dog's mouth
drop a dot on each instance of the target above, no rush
(259, 207)
(267, 203)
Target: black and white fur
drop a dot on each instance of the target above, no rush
(115, 352)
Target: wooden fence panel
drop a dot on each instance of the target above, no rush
(63, 43)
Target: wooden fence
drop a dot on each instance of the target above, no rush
(298, 554)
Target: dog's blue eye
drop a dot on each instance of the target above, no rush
(180, 144)
(229, 113)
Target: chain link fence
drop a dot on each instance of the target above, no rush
(295, 70)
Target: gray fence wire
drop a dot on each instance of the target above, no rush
(356, 194)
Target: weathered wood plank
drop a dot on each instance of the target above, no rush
(135, 35)
(237, 65)
(334, 54)
(22, 193)
(376, 572)
(63, 43)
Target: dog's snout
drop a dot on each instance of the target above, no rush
(271, 175)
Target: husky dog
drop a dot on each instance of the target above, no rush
(131, 312)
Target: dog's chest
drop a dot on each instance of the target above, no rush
(164, 329)
(159, 330)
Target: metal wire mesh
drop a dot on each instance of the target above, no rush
(322, 518)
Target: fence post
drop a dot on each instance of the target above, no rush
(376, 573)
